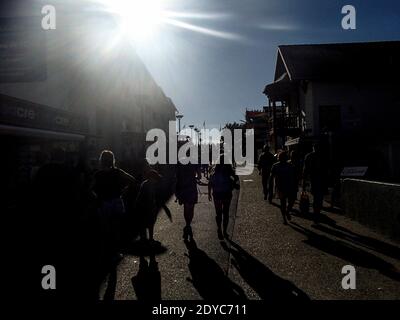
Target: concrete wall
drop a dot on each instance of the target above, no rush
(373, 204)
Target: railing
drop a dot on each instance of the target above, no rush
(288, 121)
(285, 121)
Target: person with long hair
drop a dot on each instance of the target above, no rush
(147, 203)
(220, 187)
(186, 193)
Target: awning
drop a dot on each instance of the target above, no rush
(38, 133)
(26, 114)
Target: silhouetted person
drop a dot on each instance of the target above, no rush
(186, 193)
(265, 162)
(55, 200)
(205, 170)
(220, 186)
(148, 204)
(87, 199)
(298, 166)
(55, 189)
(316, 170)
(284, 174)
(109, 183)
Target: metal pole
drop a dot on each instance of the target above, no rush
(274, 125)
(179, 117)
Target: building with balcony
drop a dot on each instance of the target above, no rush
(343, 95)
(258, 121)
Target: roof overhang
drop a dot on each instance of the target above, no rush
(279, 89)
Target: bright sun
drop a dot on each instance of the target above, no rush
(138, 18)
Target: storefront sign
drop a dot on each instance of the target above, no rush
(23, 113)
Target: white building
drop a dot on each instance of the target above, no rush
(346, 94)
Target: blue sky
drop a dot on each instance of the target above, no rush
(214, 77)
(216, 59)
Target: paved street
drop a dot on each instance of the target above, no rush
(265, 259)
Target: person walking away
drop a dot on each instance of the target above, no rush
(298, 166)
(284, 174)
(220, 187)
(55, 203)
(187, 176)
(147, 204)
(316, 171)
(265, 162)
(109, 183)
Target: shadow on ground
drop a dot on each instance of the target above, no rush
(347, 252)
(364, 241)
(328, 225)
(209, 279)
(268, 285)
(147, 282)
(144, 248)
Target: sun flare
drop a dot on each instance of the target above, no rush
(141, 19)
(138, 18)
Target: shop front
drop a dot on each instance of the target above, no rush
(29, 132)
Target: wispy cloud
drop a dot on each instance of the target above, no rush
(277, 27)
(204, 30)
(198, 15)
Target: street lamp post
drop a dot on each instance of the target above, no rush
(191, 132)
(198, 134)
(179, 117)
